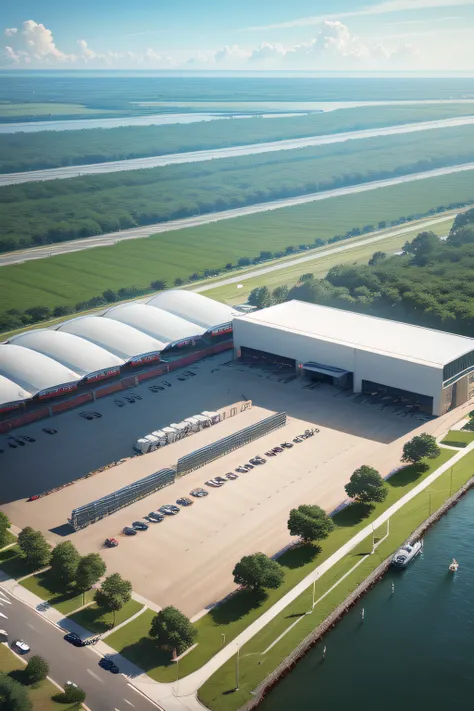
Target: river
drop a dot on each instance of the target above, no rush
(414, 649)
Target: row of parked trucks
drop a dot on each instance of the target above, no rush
(176, 431)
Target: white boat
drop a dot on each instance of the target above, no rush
(453, 566)
(406, 554)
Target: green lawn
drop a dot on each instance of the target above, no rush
(218, 692)
(10, 538)
(458, 438)
(237, 613)
(71, 278)
(12, 563)
(97, 621)
(43, 585)
(40, 694)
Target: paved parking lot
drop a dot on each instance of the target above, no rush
(187, 559)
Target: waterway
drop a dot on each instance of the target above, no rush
(415, 648)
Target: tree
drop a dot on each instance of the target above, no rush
(258, 571)
(421, 446)
(243, 262)
(311, 523)
(158, 285)
(37, 669)
(173, 630)
(13, 695)
(91, 567)
(376, 258)
(260, 297)
(64, 561)
(35, 550)
(73, 694)
(4, 526)
(279, 295)
(306, 277)
(114, 593)
(366, 485)
(109, 295)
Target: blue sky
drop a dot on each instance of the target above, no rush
(243, 34)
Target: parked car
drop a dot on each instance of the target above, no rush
(111, 542)
(247, 467)
(109, 665)
(49, 430)
(221, 480)
(140, 526)
(184, 501)
(198, 493)
(232, 476)
(74, 639)
(240, 469)
(169, 510)
(287, 445)
(129, 531)
(213, 482)
(20, 647)
(155, 517)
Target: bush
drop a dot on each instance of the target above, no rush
(36, 670)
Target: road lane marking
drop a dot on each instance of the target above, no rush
(129, 703)
(4, 616)
(89, 671)
(30, 625)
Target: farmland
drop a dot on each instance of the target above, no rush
(26, 151)
(71, 278)
(56, 211)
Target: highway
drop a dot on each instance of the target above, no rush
(105, 692)
(74, 171)
(112, 238)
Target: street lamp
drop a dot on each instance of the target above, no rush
(223, 638)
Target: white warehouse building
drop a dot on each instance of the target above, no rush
(420, 366)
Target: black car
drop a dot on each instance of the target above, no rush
(184, 501)
(140, 526)
(155, 517)
(74, 639)
(109, 665)
(129, 531)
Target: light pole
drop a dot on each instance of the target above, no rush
(237, 669)
(223, 638)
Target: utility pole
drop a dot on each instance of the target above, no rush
(237, 670)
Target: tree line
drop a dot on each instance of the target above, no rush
(429, 285)
(39, 213)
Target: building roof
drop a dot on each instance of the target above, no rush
(117, 338)
(379, 335)
(34, 372)
(71, 351)
(155, 322)
(193, 307)
(11, 392)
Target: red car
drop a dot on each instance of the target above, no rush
(111, 542)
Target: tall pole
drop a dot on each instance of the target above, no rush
(314, 593)
(177, 676)
(237, 662)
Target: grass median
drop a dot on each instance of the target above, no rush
(264, 653)
(12, 563)
(237, 613)
(97, 621)
(458, 438)
(45, 586)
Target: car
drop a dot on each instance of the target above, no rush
(119, 403)
(71, 683)
(109, 665)
(20, 647)
(129, 531)
(111, 542)
(35, 497)
(221, 480)
(184, 501)
(277, 450)
(232, 475)
(258, 460)
(74, 639)
(169, 510)
(287, 445)
(213, 482)
(27, 438)
(49, 430)
(247, 467)
(240, 469)
(198, 493)
(155, 517)
(174, 509)
(140, 526)
(18, 441)
(270, 453)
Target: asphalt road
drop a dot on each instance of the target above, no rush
(148, 230)
(231, 152)
(105, 691)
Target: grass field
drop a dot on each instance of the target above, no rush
(458, 438)
(12, 563)
(44, 586)
(74, 277)
(40, 694)
(218, 692)
(95, 620)
(233, 616)
(48, 110)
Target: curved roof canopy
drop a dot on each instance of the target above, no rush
(33, 371)
(155, 322)
(117, 338)
(10, 392)
(71, 351)
(195, 307)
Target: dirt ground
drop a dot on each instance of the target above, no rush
(187, 559)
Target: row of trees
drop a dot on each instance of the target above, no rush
(14, 693)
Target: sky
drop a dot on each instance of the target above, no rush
(309, 35)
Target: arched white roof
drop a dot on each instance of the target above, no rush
(195, 307)
(33, 371)
(11, 392)
(117, 338)
(164, 326)
(71, 351)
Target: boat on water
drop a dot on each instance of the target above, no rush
(453, 566)
(406, 554)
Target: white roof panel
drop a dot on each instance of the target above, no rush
(379, 335)
(33, 371)
(71, 351)
(11, 392)
(195, 307)
(117, 338)
(155, 322)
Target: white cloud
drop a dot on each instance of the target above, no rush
(230, 54)
(10, 31)
(379, 9)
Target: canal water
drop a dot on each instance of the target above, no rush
(414, 650)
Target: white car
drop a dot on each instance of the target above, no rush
(213, 482)
(21, 647)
